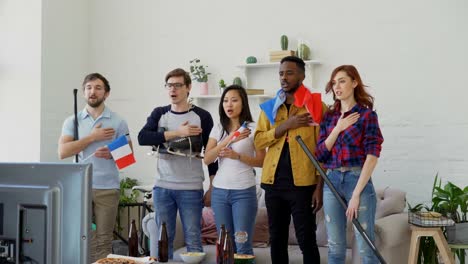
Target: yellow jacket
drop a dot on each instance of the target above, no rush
(304, 172)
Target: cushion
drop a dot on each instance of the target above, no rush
(261, 198)
(261, 236)
(389, 201)
(208, 228)
(321, 233)
(292, 234)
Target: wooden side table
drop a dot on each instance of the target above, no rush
(439, 238)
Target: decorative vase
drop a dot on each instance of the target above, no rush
(203, 88)
(221, 89)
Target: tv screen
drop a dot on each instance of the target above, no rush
(45, 212)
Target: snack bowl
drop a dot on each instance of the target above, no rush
(244, 259)
(192, 257)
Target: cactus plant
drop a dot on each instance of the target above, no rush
(237, 81)
(284, 42)
(251, 59)
(303, 51)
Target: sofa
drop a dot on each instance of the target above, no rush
(392, 232)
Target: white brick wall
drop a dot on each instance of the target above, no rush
(412, 54)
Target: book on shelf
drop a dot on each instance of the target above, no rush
(282, 53)
(255, 91)
(275, 58)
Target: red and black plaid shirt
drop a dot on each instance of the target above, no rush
(353, 144)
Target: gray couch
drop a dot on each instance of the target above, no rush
(392, 233)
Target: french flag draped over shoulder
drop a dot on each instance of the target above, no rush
(121, 152)
(311, 101)
(302, 97)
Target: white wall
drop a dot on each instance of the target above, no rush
(43, 56)
(65, 62)
(20, 80)
(409, 53)
(412, 53)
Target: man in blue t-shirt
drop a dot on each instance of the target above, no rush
(179, 177)
(97, 127)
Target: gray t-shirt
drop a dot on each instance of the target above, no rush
(173, 171)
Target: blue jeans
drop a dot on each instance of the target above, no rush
(335, 217)
(236, 209)
(190, 205)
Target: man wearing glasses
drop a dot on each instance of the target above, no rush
(179, 178)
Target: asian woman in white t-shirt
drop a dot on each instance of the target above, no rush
(233, 188)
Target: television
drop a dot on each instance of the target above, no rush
(45, 212)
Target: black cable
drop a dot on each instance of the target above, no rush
(75, 131)
(339, 198)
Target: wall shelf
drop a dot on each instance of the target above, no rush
(218, 96)
(250, 71)
(252, 74)
(272, 64)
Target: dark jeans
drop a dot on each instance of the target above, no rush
(281, 204)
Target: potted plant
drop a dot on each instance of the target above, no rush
(127, 196)
(452, 201)
(222, 86)
(199, 74)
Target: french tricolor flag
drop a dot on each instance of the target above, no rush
(121, 152)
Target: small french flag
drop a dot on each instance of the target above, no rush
(121, 152)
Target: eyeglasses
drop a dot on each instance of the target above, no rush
(176, 86)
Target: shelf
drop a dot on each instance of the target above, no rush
(248, 71)
(271, 64)
(211, 96)
(216, 96)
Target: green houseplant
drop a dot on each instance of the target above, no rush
(127, 196)
(452, 201)
(222, 85)
(198, 71)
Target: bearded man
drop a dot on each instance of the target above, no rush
(97, 127)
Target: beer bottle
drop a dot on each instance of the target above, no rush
(220, 245)
(133, 240)
(163, 244)
(228, 252)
